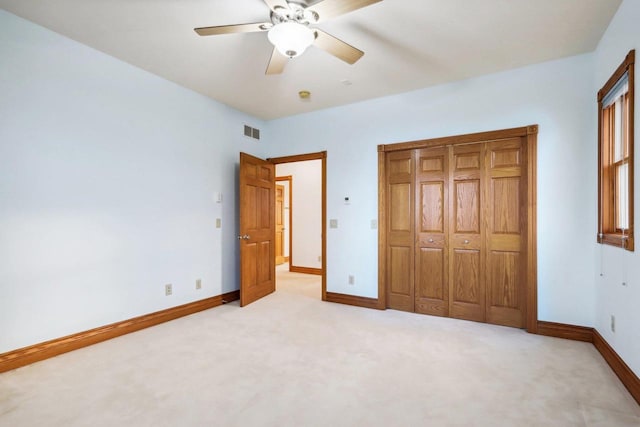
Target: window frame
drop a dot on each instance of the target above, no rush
(609, 232)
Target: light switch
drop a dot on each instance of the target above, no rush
(374, 224)
(218, 222)
(333, 223)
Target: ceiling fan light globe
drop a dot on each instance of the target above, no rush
(290, 38)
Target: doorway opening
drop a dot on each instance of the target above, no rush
(300, 244)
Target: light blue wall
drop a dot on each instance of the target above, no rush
(107, 182)
(617, 265)
(556, 95)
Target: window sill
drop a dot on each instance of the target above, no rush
(617, 240)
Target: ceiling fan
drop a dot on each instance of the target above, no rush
(290, 31)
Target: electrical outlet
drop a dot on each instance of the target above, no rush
(333, 223)
(613, 323)
(319, 258)
(198, 283)
(168, 289)
(352, 280)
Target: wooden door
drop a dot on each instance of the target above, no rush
(505, 179)
(400, 231)
(279, 224)
(257, 228)
(466, 263)
(432, 213)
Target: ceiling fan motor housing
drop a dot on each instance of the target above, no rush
(294, 13)
(290, 33)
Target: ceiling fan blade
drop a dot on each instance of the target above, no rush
(276, 63)
(337, 47)
(329, 8)
(228, 29)
(275, 4)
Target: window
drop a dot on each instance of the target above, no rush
(615, 157)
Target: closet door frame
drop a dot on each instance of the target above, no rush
(530, 134)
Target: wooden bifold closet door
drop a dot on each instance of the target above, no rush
(455, 238)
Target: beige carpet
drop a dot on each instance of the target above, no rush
(292, 360)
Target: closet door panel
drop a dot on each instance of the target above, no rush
(466, 252)
(467, 206)
(506, 226)
(400, 199)
(506, 205)
(430, 284)
(400, 230)
(504, 275)
(466, 284)
(431, 216)
(400, 274)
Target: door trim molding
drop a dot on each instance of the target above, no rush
(321, 155)
(382, 229)
(532, 229)
(45, 350)
(531, 134)
(461, 139)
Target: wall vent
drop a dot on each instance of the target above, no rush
(251, 132)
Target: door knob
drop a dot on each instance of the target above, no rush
(244, 237)
(430, 240)
(466, 242)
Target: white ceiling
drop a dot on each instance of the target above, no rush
(408, 44)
